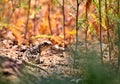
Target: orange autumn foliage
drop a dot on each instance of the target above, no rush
(42, 26)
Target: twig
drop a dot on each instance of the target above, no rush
(88, 3)
(26, 27)
(63, 8)
(49, 21)
(100, 26)
(76, 45)
(35, 19)
(107, 25)
(77, 24)
(118, 25)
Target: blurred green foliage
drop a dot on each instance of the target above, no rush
(92, 71)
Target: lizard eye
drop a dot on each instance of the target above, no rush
(33, 57)
(47, 43)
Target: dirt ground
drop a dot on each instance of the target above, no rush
(54, 61)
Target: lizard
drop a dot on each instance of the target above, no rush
(31, 56)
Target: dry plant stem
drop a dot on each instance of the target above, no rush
(26, 27)
(100, 26)
(86, 12)
(3, 8)
(14, 11)
(88, 3)
(77, 25)
(118, 8)
(35, 19)
(107, 25)
(63, 8)
(118, 25)
(13, 8)
(3, 13)
(76, 46)
(49, 21)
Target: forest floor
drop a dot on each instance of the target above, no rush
(54, 61)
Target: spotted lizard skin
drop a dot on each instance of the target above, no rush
(32, 55)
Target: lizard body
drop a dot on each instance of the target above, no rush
(31, 56)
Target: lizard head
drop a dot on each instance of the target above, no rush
(45, 44)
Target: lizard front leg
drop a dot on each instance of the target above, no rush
(37, 59)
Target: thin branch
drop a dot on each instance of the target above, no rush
(88, 2)
(118, 25)
(77, 25)
(63, 19)
(26, 27)
(100, 26)
(76, 46)
(35, 19)
(49, 21)
(107, 25)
